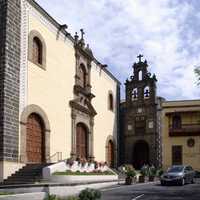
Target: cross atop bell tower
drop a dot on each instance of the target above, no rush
(140, 57)
(82, 34)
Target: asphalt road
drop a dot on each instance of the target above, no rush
(152, 192)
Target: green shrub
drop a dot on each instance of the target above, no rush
(144, 171)
(6, 193)
(51, 197)
(89, 194)
(128, 167)
(152, 171)
(72, 198)
(159, 172)
(131, 173)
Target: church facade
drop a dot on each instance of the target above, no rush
(154, 130)
(140, 119)
(57, 100)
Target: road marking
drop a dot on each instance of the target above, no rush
(138, 197)
(109, 189)
(125, 186)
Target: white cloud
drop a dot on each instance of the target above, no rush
(118, 30)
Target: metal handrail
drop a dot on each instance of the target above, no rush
(56, 157)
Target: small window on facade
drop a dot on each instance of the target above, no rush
(37, 51)
(176, 122)
(83, 76)
(146, 92)
(111, 103)
(135, 94)
(140, 75)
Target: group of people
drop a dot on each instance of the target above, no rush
(82, 165)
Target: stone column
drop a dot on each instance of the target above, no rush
(23, 156)
(47, 146)
(73, 136)
(91, 140)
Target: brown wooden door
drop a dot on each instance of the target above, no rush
(177, 155)
(110, 154)
(81, 141)
(35, 139)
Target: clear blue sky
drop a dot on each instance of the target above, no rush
(166, 32)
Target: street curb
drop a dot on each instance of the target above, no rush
(133, 185)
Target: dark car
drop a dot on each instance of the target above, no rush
(179, 174)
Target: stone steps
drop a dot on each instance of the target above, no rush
(30, 173)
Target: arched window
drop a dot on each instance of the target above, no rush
(37, 51)
(140, 75)
(110, 102)
(83, 76)
(135, 94)
(176, 122)
(146, 92)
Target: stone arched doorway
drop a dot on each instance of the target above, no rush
(82, 141)
(35, 134)
(35, 139)
(110, 152)
(140, 154)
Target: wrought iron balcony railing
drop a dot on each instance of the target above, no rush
(185, 130)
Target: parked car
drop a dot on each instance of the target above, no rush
(179, 174)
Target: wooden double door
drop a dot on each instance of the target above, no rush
(35, 139)
(110, 156)
(81, 141)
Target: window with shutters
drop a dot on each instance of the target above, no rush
(37, 51)
(176, 122)
(110, 102)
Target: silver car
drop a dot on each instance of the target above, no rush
(180, 174)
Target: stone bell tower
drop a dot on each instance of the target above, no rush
(139, 117)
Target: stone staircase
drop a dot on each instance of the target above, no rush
(29, 174)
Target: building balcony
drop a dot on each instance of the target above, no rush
(185, 130)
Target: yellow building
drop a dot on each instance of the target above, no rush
(181, 133)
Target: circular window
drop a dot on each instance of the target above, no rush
(190, 142)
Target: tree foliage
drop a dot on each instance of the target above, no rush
(197, 72)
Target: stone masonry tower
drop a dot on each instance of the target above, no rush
(10, 26)
(139, 118)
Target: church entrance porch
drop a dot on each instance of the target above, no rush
(140, 154)
(35, 139)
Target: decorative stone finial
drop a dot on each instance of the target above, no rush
(76, 37)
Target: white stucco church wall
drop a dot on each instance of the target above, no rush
(49, 88)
